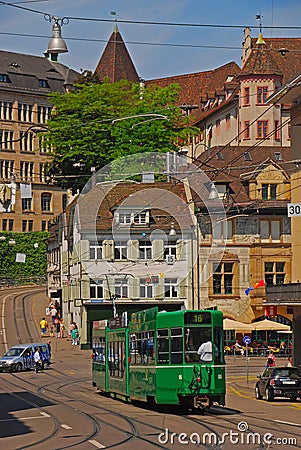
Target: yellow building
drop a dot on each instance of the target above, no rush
(28, 202)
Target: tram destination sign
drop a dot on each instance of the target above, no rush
(294, 209)
(197, 318)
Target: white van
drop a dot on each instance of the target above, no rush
(20, 357)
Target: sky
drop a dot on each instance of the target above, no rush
(157, 50)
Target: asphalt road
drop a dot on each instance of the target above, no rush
(59, 408)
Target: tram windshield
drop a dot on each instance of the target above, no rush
(199, 345)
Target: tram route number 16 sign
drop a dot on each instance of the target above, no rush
(294, 209)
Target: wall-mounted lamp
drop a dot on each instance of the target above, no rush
(172, 231)
(213, 193)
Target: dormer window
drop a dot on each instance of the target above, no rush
(247, 156)
(132, 217)
(124, 218)
(43, 83)
(278, 156)
(140, 218)
(269, 192)
(4, 78)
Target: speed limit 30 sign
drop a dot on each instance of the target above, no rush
(294, 209)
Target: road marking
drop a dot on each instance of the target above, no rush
(3, 322)
(66, 427)
(44, 414)
(22, 418)
(287, 423)
(96, 444)
(238, 393)
(69, 372)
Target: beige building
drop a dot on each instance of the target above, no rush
(124, 247)
(28, 202)
(289, 295)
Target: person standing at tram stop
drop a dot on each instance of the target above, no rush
(75, 336)
(62, 328)
(205, 349)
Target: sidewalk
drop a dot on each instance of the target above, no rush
(61, 347)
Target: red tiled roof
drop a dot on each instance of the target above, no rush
(289, 63)
(261, 61)
(233, 165)
(166, 201)
(196, 85)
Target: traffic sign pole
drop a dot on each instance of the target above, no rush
(247, 341)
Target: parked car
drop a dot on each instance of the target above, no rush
(20, 357)
(279, 382)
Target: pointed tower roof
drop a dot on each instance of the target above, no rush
(261, 60)
(115, 62)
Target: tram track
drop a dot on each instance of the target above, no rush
(52, 387)
(127, 429)
(19, 305)
(131, 433)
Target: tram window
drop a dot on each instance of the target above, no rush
(142, 348)
(194, 337)
(163, 346)
(116, 359)
(150, 348)
(133, 348)
(218, 341)
(98, 349)
(176, 346)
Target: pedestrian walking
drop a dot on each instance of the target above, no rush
(43, 327)
(271, 360)
(37, 360)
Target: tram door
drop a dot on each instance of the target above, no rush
(117, 367)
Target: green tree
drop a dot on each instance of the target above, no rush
(85, 131)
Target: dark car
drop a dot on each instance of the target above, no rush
(279, 382)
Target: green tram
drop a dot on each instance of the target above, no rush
(154, 358)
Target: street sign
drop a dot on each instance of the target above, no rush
(294, 209)
(247, 340)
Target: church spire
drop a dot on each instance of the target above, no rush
(115, 63)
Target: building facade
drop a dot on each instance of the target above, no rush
(135, 249)
(29, 201)
(244, 148)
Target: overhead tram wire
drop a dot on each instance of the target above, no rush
(14, 5)
(149, 22)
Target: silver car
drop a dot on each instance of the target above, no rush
(20, 357)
